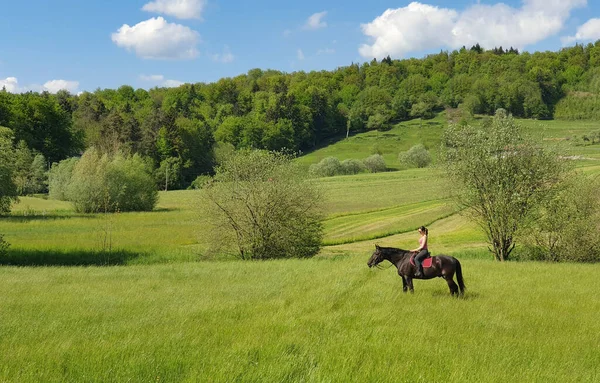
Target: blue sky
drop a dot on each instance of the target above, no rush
(84, 45)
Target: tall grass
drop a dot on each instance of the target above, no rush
(312, 320)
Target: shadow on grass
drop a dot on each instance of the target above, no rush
(41, 217)
(26, 257)
(164, 210)
(468, 295)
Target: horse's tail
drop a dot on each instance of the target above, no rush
(459, 277)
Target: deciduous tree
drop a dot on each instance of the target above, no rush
(500, 176)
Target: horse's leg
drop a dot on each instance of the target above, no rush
(404, 286)
(453, 286)
(409, 282)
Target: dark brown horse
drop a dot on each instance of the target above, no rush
(442, 266)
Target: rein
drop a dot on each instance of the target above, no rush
(384, 268)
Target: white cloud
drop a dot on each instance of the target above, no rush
(587, 32)
(54, 86)
(419, 27)
(159, 80)
(326, 51)
(11, 84)
(300, 54)
(225, 57)
(172, 83)
(287, 33)
(182, 9)
(316, 21)
(157, 39)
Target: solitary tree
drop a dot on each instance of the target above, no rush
(500, 176)
(264, 205)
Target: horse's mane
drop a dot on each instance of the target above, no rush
(393, 250)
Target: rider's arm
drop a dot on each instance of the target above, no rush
(422, 245)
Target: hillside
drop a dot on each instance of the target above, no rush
(389, 144)
(302, 111)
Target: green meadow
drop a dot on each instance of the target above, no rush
(389, 143)
(137, 297)
(323, 320)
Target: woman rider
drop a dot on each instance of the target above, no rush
(422, 251)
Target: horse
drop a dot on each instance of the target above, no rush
(442, 266)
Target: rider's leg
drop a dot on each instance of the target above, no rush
(419, 262)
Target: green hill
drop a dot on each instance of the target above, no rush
(389, 144)
(569, 136)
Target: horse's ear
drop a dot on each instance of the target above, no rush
(377, 247)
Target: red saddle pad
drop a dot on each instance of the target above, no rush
(426, 262)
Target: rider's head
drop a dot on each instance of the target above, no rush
(423, 230)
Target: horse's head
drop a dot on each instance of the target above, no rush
(376, 258)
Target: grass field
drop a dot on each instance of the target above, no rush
(406, 134)
(165, 311)
(319, 320)
(389, 144)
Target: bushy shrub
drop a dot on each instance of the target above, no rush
(102, 183)
(200, 182)
(375, 163)
(331, 166)
(263, 206)
(352, 166)
(566, 227)
(129, 184)
(415, 157)
(59, 178)
(87, 188)
(327, 167)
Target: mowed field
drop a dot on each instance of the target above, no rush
(166, 310)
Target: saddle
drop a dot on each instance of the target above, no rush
(426, 262)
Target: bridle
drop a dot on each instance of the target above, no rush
(378, 265)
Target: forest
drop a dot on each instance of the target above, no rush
(177, 128)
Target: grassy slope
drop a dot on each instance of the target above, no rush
(389, 144)
(562, 133)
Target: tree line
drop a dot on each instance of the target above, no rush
(177, 128)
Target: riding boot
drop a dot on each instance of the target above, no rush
(419, 272)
